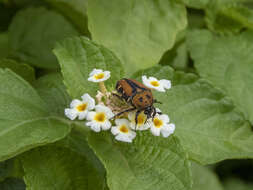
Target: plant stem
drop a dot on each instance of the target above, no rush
(102, 87)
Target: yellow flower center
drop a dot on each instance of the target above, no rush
(99, 76)
(158, 123)
(100, 117)
(155, 83)
(141, 119)
(123, 129)
(81, 107)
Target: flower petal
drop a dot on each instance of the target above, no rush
(115, 130)
(119, 122)
(91, 102)
(106, 125)
(82, 115)
(70, 113)
(165, 118)
(95, 71)
(166, 83)
(75, 103)
(123, 138)
(106, 110)
(155, 131)
(167, 130)
(90, 115)
(94, 126)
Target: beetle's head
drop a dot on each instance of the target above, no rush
(150, 111)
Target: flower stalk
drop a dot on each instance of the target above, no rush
(102, 88)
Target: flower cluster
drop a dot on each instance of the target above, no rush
(101, 117)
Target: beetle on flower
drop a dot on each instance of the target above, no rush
(137, 100)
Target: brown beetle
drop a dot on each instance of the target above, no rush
(137, 95)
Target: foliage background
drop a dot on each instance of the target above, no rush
(48, 48)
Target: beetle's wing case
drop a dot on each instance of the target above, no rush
(124, 88)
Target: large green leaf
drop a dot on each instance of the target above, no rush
(22, 69)
(25, 122)
(204, 178)
(149, 163)
(75, 10)
(76, 141)
(33, 33)
(12, 184)
(227, 63)
(177, 57)
(197, 4)
(237, 184)
(52, 168)
(78, 57)
(207, 123)
(139, 32)
(11, 168)
(228, 16)
(4, 47)
(52, 90)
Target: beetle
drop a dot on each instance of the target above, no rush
(138, 96)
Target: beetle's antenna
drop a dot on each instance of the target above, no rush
(156, 101)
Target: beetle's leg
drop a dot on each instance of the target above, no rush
(156, 101)
(136, 117)
(120, 113)
(118, 96)
(154, 113)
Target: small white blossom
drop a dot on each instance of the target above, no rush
(98, 75)
(161, 125)
(100, 118)
(141, 125)
(80, 108)
(153, 83)
(122, 131)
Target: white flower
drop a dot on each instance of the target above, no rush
(141, 125)
(161, 125)
(98, 75)
(100, 118)
(122, 131)
(80, 108)
(153, 83)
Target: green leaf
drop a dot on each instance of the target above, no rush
(228, 17)
(54, 168)
(150, 162)
(138, 32)
(33, 33)
(78, 57)
(10, 168)
(75, 10)
(25, 122)
(229, 61)
(177, 57)
(52, 90)
(207, 123)
(21, 69)
(204, 178)
(197, 4)
(237, 184)
(76, 141)
(4, 49)
(12, 184)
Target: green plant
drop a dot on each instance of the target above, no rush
(48, 49)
